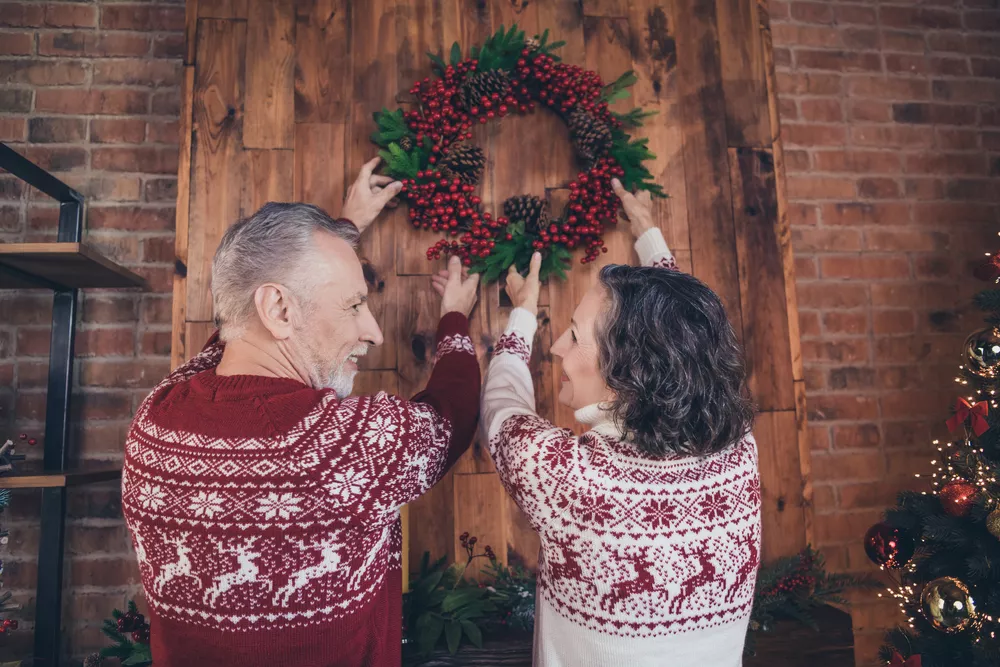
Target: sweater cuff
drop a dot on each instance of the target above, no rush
(453, 336)
(523, 323)
(650, 244)
(453, 323)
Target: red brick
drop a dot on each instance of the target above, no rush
(848, 466)
(806, 35)
(888, 88)
(924, 188)
(796, 160)
(856, 213)
(15, 101)
(811, 12)
(819, 437)
(57, 159)
(169, 46)
(977, 92)
(782, 57)
(820, 187)
(866, 267)
(104, 572)
(88, 43)
(824, 498)
(22, 15)
(893, 322)
(809, 83)
(868, 110)
(158, 250)
(945, 41)
(828, 294)
(161, 190)
(143, 17)
(44, 130)
(104, 101)
(933, 268)
(166, 104)
(805, 268)
(163, 132)
(858, 161)
(156, 310)
(32, 342)
(982, 20)
(802, 214)
(986, 67)
(897, 16)
(856, 436)
(67, 15)
(109, 309)
(133, 373)
(946, 163)
(118, 131)
(145, 160)
(136, 72)
(950, 66)
(838, 61)
(12, 129)
(42, 72)
(867, 495)
(893, 136)
(968, 189)
(155, 343)
(899, 377)
(956, 140)
(906, 63)
(822, 110)
(840, 322)
(908, 42)
(813, 135)
(843, 351)
(10, 218)
(845, 527)
(910, 351)
(131, 218)
(809, 323)
(160, 279)
(855, 14)
(983, 44)
(825, 240)
(952, 212)
(878, 188)
(16, 44)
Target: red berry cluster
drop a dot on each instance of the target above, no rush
(802, 578)
(31, 441)
(440, 204)
(7, 625)
(135, 623)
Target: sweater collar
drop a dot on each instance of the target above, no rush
(600, 419)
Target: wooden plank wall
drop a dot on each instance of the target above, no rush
(277, 106)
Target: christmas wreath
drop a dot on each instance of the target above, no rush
(427, 148)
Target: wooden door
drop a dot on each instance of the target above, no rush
(277, 106)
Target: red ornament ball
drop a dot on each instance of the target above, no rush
(889, 546)
(957, 497)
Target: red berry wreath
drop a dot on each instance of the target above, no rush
(509, 74)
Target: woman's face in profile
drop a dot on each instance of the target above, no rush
(582, 383)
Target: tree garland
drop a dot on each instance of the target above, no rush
(425, 148)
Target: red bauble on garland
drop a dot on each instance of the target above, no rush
(509, 74)
(957, 497)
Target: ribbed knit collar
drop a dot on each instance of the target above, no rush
(236, 387)
(600, 419)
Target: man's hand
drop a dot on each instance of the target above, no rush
(638, 208)
(457, 288)
(523, 292)
(368, 195)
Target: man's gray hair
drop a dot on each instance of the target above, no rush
(267, 247)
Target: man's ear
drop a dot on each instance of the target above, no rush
(274, 308)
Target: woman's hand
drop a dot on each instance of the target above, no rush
(457, 288)
(523, 292)
(368, 195)
(638, 208)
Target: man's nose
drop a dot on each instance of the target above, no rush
(372, 333)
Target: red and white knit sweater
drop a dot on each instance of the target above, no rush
(265, 513)
(644, 561)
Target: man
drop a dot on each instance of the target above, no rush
(264, 502)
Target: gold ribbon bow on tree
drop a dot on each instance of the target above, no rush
(975, 413)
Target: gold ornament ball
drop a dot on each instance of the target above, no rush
(982, 353)
(993, 523)
(947, 604)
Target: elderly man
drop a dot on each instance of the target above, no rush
(264, 502)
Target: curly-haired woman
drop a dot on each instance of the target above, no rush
(650, 521)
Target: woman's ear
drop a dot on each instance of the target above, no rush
(274, 308)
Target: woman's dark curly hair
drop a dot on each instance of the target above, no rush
(671, 357)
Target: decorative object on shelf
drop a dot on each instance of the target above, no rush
(981, 353)
(889, 546)
(509, 74)
(957, 497)
(975, 414)
(947, 604)
(8, 457)
(130, 633)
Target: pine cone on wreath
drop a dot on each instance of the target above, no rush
(464, 161)
(484, 84)
(590, 137)
(528, 208)
(406, 143)
(93, 660)
(532, 43)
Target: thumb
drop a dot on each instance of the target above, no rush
(535, 266)
(389, 191)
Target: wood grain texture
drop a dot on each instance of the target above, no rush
(480, 509)
(319, 165)
(762, 279)
(72, 265)
(743, 80)
(183, 204)
(196, 334)
(783, 505)
(190, 31)
(217, 156)
(323, 39)
(605, 8)
(709, 199)
(270, 88)
(270, 176)
(222, 9)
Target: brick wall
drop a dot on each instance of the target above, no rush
(890, 122)
(89, 90)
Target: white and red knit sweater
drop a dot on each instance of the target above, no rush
(644, 561)
(265, 513)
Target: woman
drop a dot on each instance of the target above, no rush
(649, 522)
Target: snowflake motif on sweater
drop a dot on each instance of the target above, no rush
(291, 529)
(634, 548)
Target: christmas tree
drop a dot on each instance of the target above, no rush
(941, 545)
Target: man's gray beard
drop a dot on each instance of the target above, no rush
(342, 382)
